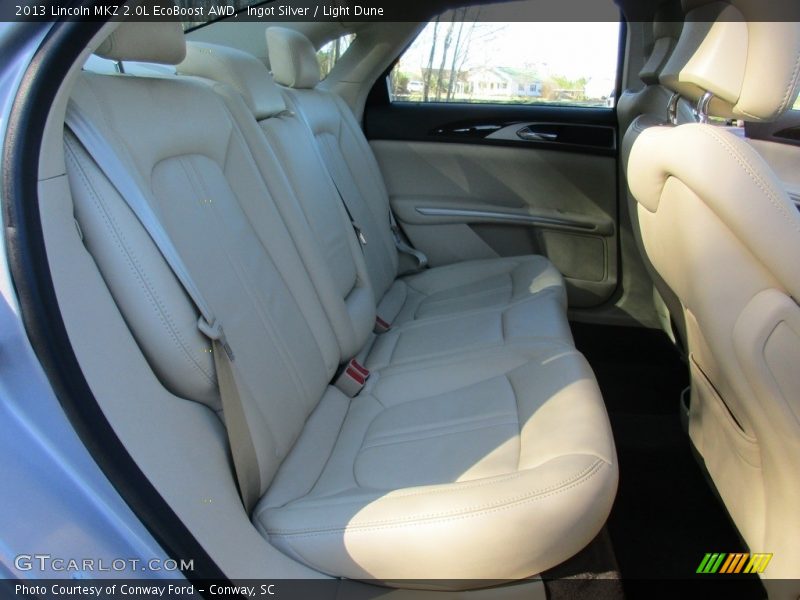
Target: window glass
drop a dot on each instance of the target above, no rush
(332, 52)
(459, 58)
(796, 104)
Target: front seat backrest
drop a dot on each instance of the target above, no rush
(653, 98)
(638, 110)
(722, 233)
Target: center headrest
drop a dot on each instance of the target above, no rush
(750, 65)
(292, 58)
(242, 71)
(154, 42)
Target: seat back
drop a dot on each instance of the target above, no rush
(638, 110)
(284, 148)
(182, 144)
(724, 236)
(653, 98)
(343, 146)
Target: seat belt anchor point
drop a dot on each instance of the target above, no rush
(352, 379)
(360, 235)
(216, 333)
(381, 326)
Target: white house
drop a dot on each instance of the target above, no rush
(499, 82)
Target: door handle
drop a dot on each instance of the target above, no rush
(529, 135)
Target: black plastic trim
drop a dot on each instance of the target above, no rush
(39, 308)
(785, 130)
(437, 122)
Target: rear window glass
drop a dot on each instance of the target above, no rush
(460, 58)
(331, 52)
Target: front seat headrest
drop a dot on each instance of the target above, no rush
(750, 65)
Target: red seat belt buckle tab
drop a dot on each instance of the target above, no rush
(381, 326)
(353, 378)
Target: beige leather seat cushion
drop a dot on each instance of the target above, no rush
(496, 466)
(469, 286)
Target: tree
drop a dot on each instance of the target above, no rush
(454, 71)
(448, 38)
(331, 52)
(428, 73)
(460, 50)
(399, 82)
(566, 88)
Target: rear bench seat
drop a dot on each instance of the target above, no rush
(440, 291)
(285, 143)
(485, 462)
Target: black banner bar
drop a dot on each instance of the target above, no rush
(198, 12)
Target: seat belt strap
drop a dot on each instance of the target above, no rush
(399, 243)
(119, 176)
(403, 246)
(362, 239)
(243, 452)
(245, 458)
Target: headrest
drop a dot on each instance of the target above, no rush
(154, 42)
(293, 58)
(242, 71)
(666, 31)
(751, 66)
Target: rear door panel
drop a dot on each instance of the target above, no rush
(486, 180)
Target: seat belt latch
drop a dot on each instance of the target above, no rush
(381, 326)
(353, 379)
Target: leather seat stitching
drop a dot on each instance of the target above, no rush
(434, 432)
(752, 172)
(441, 517)
(139, 272)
